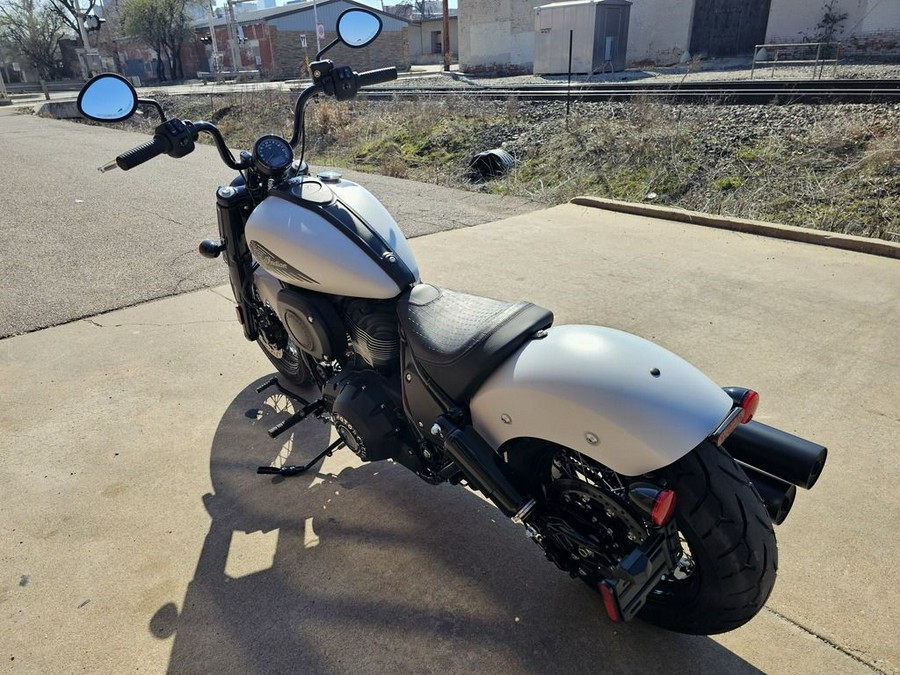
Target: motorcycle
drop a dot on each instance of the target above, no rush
(627, 466)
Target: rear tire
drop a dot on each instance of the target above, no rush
(732, 547)
(730, 556)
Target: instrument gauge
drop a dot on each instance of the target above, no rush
(272, 154)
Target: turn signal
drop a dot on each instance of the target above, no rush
(663, 508)
(746, 399)
(749, 402)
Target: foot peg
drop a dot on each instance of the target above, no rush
(294, 469)
(309, 409)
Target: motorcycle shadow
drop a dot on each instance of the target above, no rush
(365, 568)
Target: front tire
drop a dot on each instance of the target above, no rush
(290, 362)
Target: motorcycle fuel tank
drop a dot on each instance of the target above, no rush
(331, 236)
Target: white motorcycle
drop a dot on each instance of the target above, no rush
(628, 467)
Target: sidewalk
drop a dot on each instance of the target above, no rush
(136, 535)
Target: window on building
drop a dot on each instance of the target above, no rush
(436, 42)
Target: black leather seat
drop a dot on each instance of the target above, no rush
(460, 339)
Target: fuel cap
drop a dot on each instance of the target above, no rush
(329, 176)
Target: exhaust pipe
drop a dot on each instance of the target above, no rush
(777, 494)
(778, 453)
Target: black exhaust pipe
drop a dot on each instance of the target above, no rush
(777, 494)
(778, 453)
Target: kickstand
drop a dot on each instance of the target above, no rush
(294, 469)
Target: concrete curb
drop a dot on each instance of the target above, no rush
(60, 110)
(809, 236)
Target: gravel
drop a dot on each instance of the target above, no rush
(713, 70)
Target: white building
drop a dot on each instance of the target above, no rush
(499, 34)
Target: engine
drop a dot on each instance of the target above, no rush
(373, 332)
(368, 415)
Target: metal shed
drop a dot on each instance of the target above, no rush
(599, 30)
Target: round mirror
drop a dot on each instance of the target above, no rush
(358, 27)
(107, 98)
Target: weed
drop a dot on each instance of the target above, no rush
(729, 183)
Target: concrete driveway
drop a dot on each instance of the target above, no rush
(137, 537)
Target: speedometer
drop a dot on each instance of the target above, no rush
(272, 154)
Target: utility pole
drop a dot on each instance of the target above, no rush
(446, 36)
(4, 97)
(233, 34)
(216, 56)
(233, 38)
(79, 19)
(316, 19)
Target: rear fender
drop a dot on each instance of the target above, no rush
(617, 398)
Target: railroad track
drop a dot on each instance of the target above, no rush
(728, 92)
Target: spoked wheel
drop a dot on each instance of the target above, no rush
(293, 364)
(728, 560)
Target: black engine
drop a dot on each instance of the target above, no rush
(368, 415)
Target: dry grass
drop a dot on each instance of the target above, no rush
(828, 168)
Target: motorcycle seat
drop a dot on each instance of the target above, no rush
(460, 339)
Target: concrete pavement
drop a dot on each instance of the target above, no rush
(77, 242)
(135, 534)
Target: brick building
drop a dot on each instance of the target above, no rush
(269, 40)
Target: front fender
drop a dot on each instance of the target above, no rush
(622, 400)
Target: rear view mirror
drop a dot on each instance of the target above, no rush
(107, 98)
(358, 27)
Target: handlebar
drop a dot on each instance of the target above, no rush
(370, 77)
(142, 153)
(176, 138)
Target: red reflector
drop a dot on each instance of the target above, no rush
(663, 508)
(750, 402)
(609, 601)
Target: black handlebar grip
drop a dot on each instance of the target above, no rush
(142, 153)
(371, 77)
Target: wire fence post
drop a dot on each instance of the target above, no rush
(569, 88)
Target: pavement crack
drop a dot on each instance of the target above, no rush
(94, 323)
(171, 220)
(221, 295)
(833, 645)
(169, 325)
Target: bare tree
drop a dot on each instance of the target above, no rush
(35, 29)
